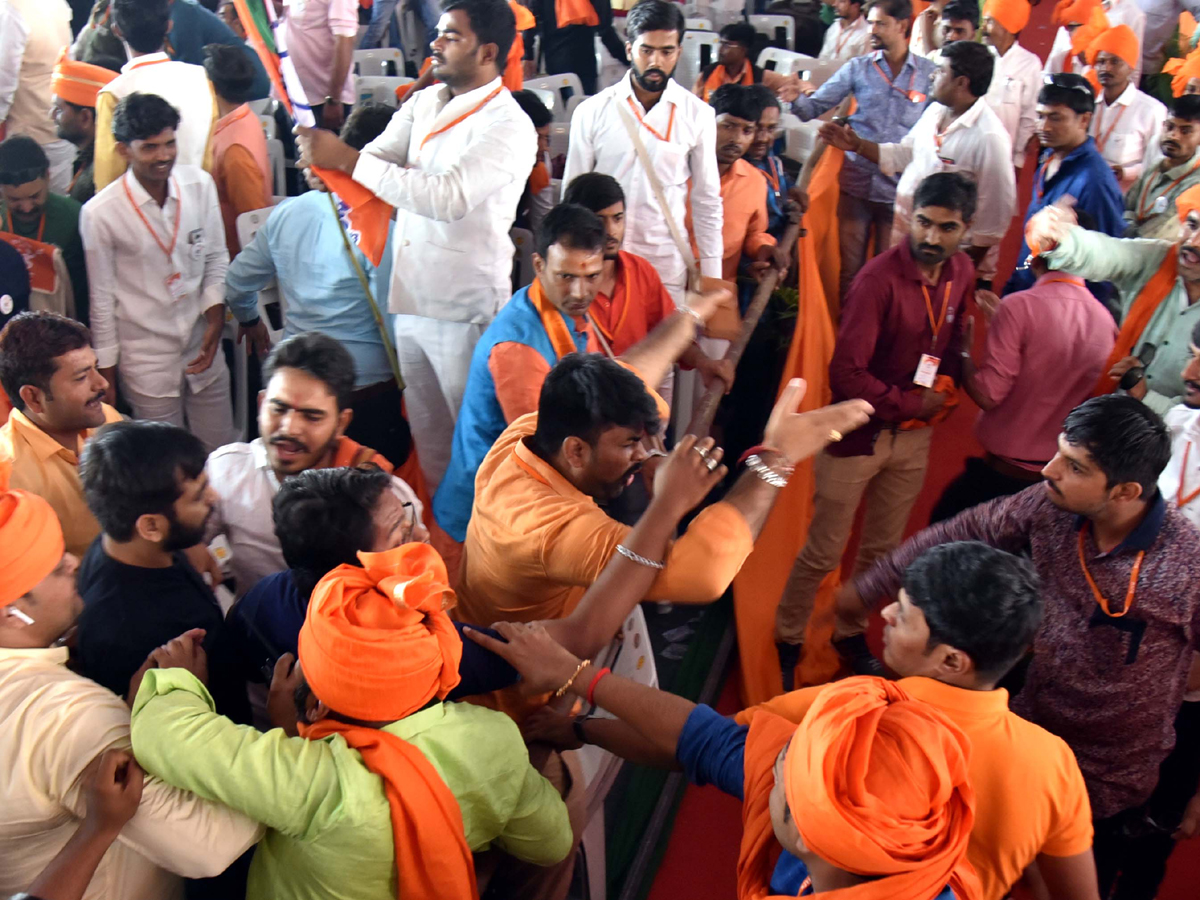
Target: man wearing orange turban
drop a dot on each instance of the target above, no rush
(1070, 15)
(76, 86)
(869, 798)
(1186, 74)
(1126, 120)
(378, 653)
(1018, 72)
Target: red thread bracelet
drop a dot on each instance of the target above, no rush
(595, 681)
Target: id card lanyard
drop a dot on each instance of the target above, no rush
(927, 368)
(173, 281)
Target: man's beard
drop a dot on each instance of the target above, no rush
(181, 536)
(658, 85)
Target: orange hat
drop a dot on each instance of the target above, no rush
(1094, 80)
(79, 82)
(1188, 202)
(377, 643)
(1184, 71)
(1119, 41)
(1012, 14)
(1095, 26)
(1073, 12)
(877, 784)
(31, 540)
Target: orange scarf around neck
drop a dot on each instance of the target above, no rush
(1155, 291)
(553, 321)
(433, 861)
(719, 76)
(539, 178)
(575, 12)
(352, 453)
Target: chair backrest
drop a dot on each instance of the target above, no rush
(780, 30)
(820, 71)
(522, 239)
(608, 70)
(560, 134)
(375, 62)
(275, 155)
(380, 88)
(269, 126)
(699, 50)
(799, 137)
(785, 62)
(248, 224)
(549, 98)
(698, 24)
(262, 107)
(564, 87)
(573, 104)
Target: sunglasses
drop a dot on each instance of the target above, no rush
(1067, 80)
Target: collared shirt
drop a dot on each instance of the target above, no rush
(885, 329)
(301, 246)
(60, 227)
(32, 33)
(1162, 18)
(682, 147)
(55, 724)
(1124, 129)
(1016, 82)
(638, 303)
(184, 86)
(1129, 264)
(136, 321)
(312, 29)
(455, 188)
(1178, 482)
(328, 821)
(1110, 687)
(43, 466)
(245, 484)
(744, 231)
(1150, 203)
(887, 110)
(1086, 176)
(844, 42)
(1023, 356)
(1029, 792)
(778, 186)
(976, 145)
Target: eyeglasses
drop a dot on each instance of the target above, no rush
(1067, 80)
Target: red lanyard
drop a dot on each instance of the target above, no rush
(168, 250)
(41, 224)
(1180, 500)
(847, 33)
(482, 103)
(892, 84)
(1102, 142)
(936, 326)
(670, 121)
(1129, 594)
(1141, 214)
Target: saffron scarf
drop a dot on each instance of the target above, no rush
(1152, 294)
(553, 321)
(575, 12)
(719, 76)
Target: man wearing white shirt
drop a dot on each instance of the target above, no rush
(454, 162)
(1181, 478)
(1126, 120)
(678, 131)
(143, 25)
(1017, 76)
(156, 258)
(849, 35)
(959, 133)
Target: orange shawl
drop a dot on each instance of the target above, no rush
(513, 75)
(539, 178)
(1155, 291)
(719, 76)
(575, 12)
(352, 453)
(553, 321)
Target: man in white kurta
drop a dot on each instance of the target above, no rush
(1017, 76)
(849, 35)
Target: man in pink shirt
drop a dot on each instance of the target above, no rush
(1046, 347)
(320, 41)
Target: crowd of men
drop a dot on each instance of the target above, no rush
(343, 647)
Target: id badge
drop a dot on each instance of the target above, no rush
(916, 97)
(927, 370)
(174, 285)
(1160, 205)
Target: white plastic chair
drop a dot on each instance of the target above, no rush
(799, 137)
(693, 57)
(261, 107)
(572, 105)
(698, 24)
(785, 62)
(558, 85)
(820, 71)
(412, 34)
(275, 155)
(248, 224)
(608, 70)
(549, 98)
(560, 135)
(269, 127)
(770, 25)
(379, 88)
(375, 62)
(522, 239)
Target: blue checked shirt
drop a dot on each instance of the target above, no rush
(885, 114)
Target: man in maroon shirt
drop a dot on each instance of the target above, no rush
(1120, 573)
(899, 348)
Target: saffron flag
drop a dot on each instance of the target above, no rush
(364, 216)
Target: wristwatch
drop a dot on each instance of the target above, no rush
(577, 727)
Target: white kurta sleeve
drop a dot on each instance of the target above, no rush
(708, 215)
(100, 254)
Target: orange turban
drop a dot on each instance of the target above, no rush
(1073, 12)
(1184, 71)
(1012, 14)
(1094, 80)
(377, 643)
(1120, 41)
(31, 540)
(1095, 26)
(79, 82)
(877, 784)
(1188, 202)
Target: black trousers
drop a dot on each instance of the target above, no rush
(1132, 847)
(378, 422)
(977, 484)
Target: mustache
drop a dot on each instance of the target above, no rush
(654, 72)
(930, 248)
(292, 443)
(1192, 386)
(731, 148)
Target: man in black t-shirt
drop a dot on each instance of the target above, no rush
(146, 485)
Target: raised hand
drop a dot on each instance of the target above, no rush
(799, 436)
(688, 475)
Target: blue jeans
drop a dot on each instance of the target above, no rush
(383, 19)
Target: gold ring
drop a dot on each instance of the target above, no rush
(835, 435)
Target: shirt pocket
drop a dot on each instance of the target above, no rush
(1123, 149)
(670, 163)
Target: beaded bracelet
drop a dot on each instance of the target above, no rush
(570, 681)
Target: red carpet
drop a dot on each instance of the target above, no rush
(701, 859)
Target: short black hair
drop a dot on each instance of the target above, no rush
(103, 60)
(140, 117)
(973, 61)
(948, 190)
(22, 160)
(739, 33)
(1186, 107)
(595, 190)
(323, 518)
(132, 469)
(979, 600)
(573, 226)
(230, 72)
(1128, 440)
(654, 15)
(1069, 90)
(962, 11)
(366, 122)
(900, 10)
(583, 396)
(736, 100)
(492, 21)
(765, 98)
(318, 355)
(30, 345)
(531, 104)
(143, 23)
